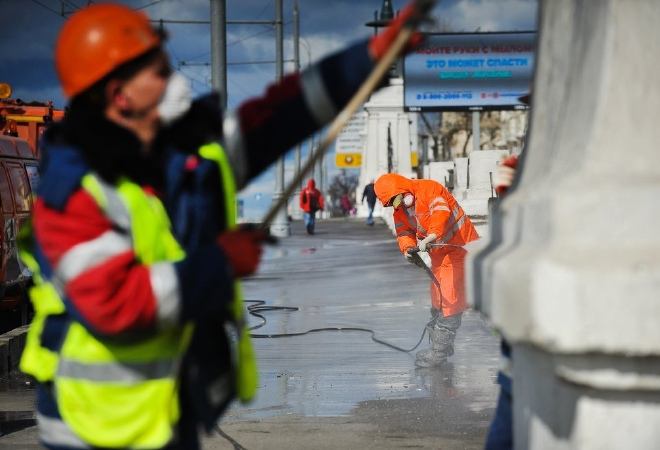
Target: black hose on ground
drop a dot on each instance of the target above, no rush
(231, 440)
(258, 307)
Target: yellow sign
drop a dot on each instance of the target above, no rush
(348, 160)
(414, 159)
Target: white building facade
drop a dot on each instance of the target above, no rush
(386, 117)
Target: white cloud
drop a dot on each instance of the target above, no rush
(190, 9)
(492, 15)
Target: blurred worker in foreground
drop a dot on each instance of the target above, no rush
(424, 210)
(136, 255)
(311, 200)
(370, 194)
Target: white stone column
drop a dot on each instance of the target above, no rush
(460, 178)
(403, 145)
(439, 171)
(481, 165)
(572, 274)
(385, 109)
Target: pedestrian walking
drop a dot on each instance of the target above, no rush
(370, 194)
(311, 201)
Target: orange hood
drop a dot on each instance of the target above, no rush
(391, 184)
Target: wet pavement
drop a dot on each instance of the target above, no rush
(17, 410)
(351, 275)
(340, 389)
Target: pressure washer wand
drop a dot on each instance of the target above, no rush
(418, 261)
(369, 85)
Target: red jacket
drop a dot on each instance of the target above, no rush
(311, 199)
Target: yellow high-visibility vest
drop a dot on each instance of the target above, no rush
(125, 394)
(246, 377)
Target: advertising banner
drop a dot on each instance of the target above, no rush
(469, 71)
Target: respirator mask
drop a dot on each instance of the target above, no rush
(406, 199)
(176, 100)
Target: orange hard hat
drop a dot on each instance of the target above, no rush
(98, 39)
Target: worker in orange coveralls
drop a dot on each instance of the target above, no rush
(425, 210)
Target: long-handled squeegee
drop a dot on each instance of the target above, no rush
(384, 64)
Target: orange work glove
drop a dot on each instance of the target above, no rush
(243, 249)
(504, 175)
(379, 44)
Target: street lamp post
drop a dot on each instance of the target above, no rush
(280, 226)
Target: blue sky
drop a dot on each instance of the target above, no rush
(30, 28)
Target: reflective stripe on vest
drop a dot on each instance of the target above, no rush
(56, 433)
(247, 376)
(114, 394)
(453, 226)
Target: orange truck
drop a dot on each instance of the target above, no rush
(27, 121)
(21, 127)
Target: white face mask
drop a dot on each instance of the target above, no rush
(408, 200)
(176, 99)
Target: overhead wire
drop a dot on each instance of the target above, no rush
(263, 10)
(240, 88)
(232, 43)
(75, 6)
(268, 29)
(147, 5)
(72, 4)
(178, 67)
(47, 7)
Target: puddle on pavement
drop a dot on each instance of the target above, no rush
(331, 373)
(262, 278)
(280, 252)
(271, 252)
(447, 411)
(357, 279)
